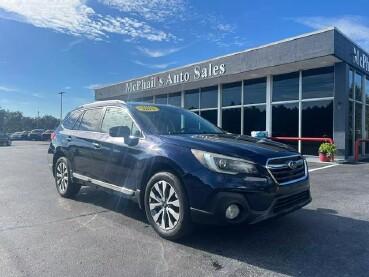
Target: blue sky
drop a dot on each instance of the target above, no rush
(48, 46)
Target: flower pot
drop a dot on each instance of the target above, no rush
(324, 158)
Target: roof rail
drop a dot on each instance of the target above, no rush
(103, 103)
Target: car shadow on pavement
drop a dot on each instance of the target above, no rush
(304, 243)
(112, 202)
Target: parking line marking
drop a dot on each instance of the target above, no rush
(328, 166)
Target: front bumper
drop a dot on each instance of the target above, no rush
(255, 205)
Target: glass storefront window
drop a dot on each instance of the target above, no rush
(318, 83)
(351, 126)
(358, 89)
(231, 120)
(367, 91)
(231, 94)
(285, 121)
(210, 115)
(358, 120)
(192, 99)
(367, 128)
(286, 87)
(174, 99)
(209, 97)
(317, 121)
(148, 99)
(134, 100)
(254, 119)
(358, 124)
(161, 99)
(351, 84)
(254, 91)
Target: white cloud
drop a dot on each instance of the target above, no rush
(75, 18)
(3, 62)
(72, 44)
(354, 27)
(38, 95)
(67, 88)
(133, 20)
(157, 66)
(225, 27)
(154, 10)
(92, 86)
(7, 89)
(134, 29)
(156, 53)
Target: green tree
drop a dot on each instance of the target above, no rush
(15, 122)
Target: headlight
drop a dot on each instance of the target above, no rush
(224, 164)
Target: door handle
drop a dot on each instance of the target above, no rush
(96, 145)
(69, 138)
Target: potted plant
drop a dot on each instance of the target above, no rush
(327, 151)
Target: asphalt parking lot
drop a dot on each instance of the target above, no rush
(98, 234)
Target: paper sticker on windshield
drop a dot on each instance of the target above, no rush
(147, 108)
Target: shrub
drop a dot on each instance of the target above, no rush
(328, 149)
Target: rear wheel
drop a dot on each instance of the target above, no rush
(167, 207)
(63, 180)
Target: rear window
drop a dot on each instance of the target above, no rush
(71, 119)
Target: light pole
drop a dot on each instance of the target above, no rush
(61, 105)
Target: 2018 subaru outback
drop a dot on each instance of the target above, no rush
(178, 167)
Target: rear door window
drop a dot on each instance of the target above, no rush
(90, 120)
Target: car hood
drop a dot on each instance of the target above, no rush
(244, 147)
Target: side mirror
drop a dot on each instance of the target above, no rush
(120, 132)
(123, 132)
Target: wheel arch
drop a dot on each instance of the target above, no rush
(155, 166)
(58, 154)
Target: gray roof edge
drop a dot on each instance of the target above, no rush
(350, 40)
(228, 55)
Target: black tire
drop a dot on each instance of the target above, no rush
(9, 142)
(63, 181)
(168, 212)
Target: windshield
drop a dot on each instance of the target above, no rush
(168, 120)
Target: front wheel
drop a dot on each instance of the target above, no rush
(64, 185)
(167, 207)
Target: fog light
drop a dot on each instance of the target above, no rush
(232, 211)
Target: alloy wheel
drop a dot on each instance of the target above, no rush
(164, 205)
(62, 177)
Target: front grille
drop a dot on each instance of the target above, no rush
(290, 201)
(287, 170)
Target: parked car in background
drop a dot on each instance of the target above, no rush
(36, 134)
(5, 139)
(16, 136)
(47, 135)
(179, 167)
(25, 135)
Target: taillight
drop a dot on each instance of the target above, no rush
(52, 135)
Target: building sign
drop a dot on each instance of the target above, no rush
(197, 73)
(361, 59)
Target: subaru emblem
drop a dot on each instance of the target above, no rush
(292, 164)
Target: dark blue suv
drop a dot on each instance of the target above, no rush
(178, 167)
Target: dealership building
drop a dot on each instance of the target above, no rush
(313, 85)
